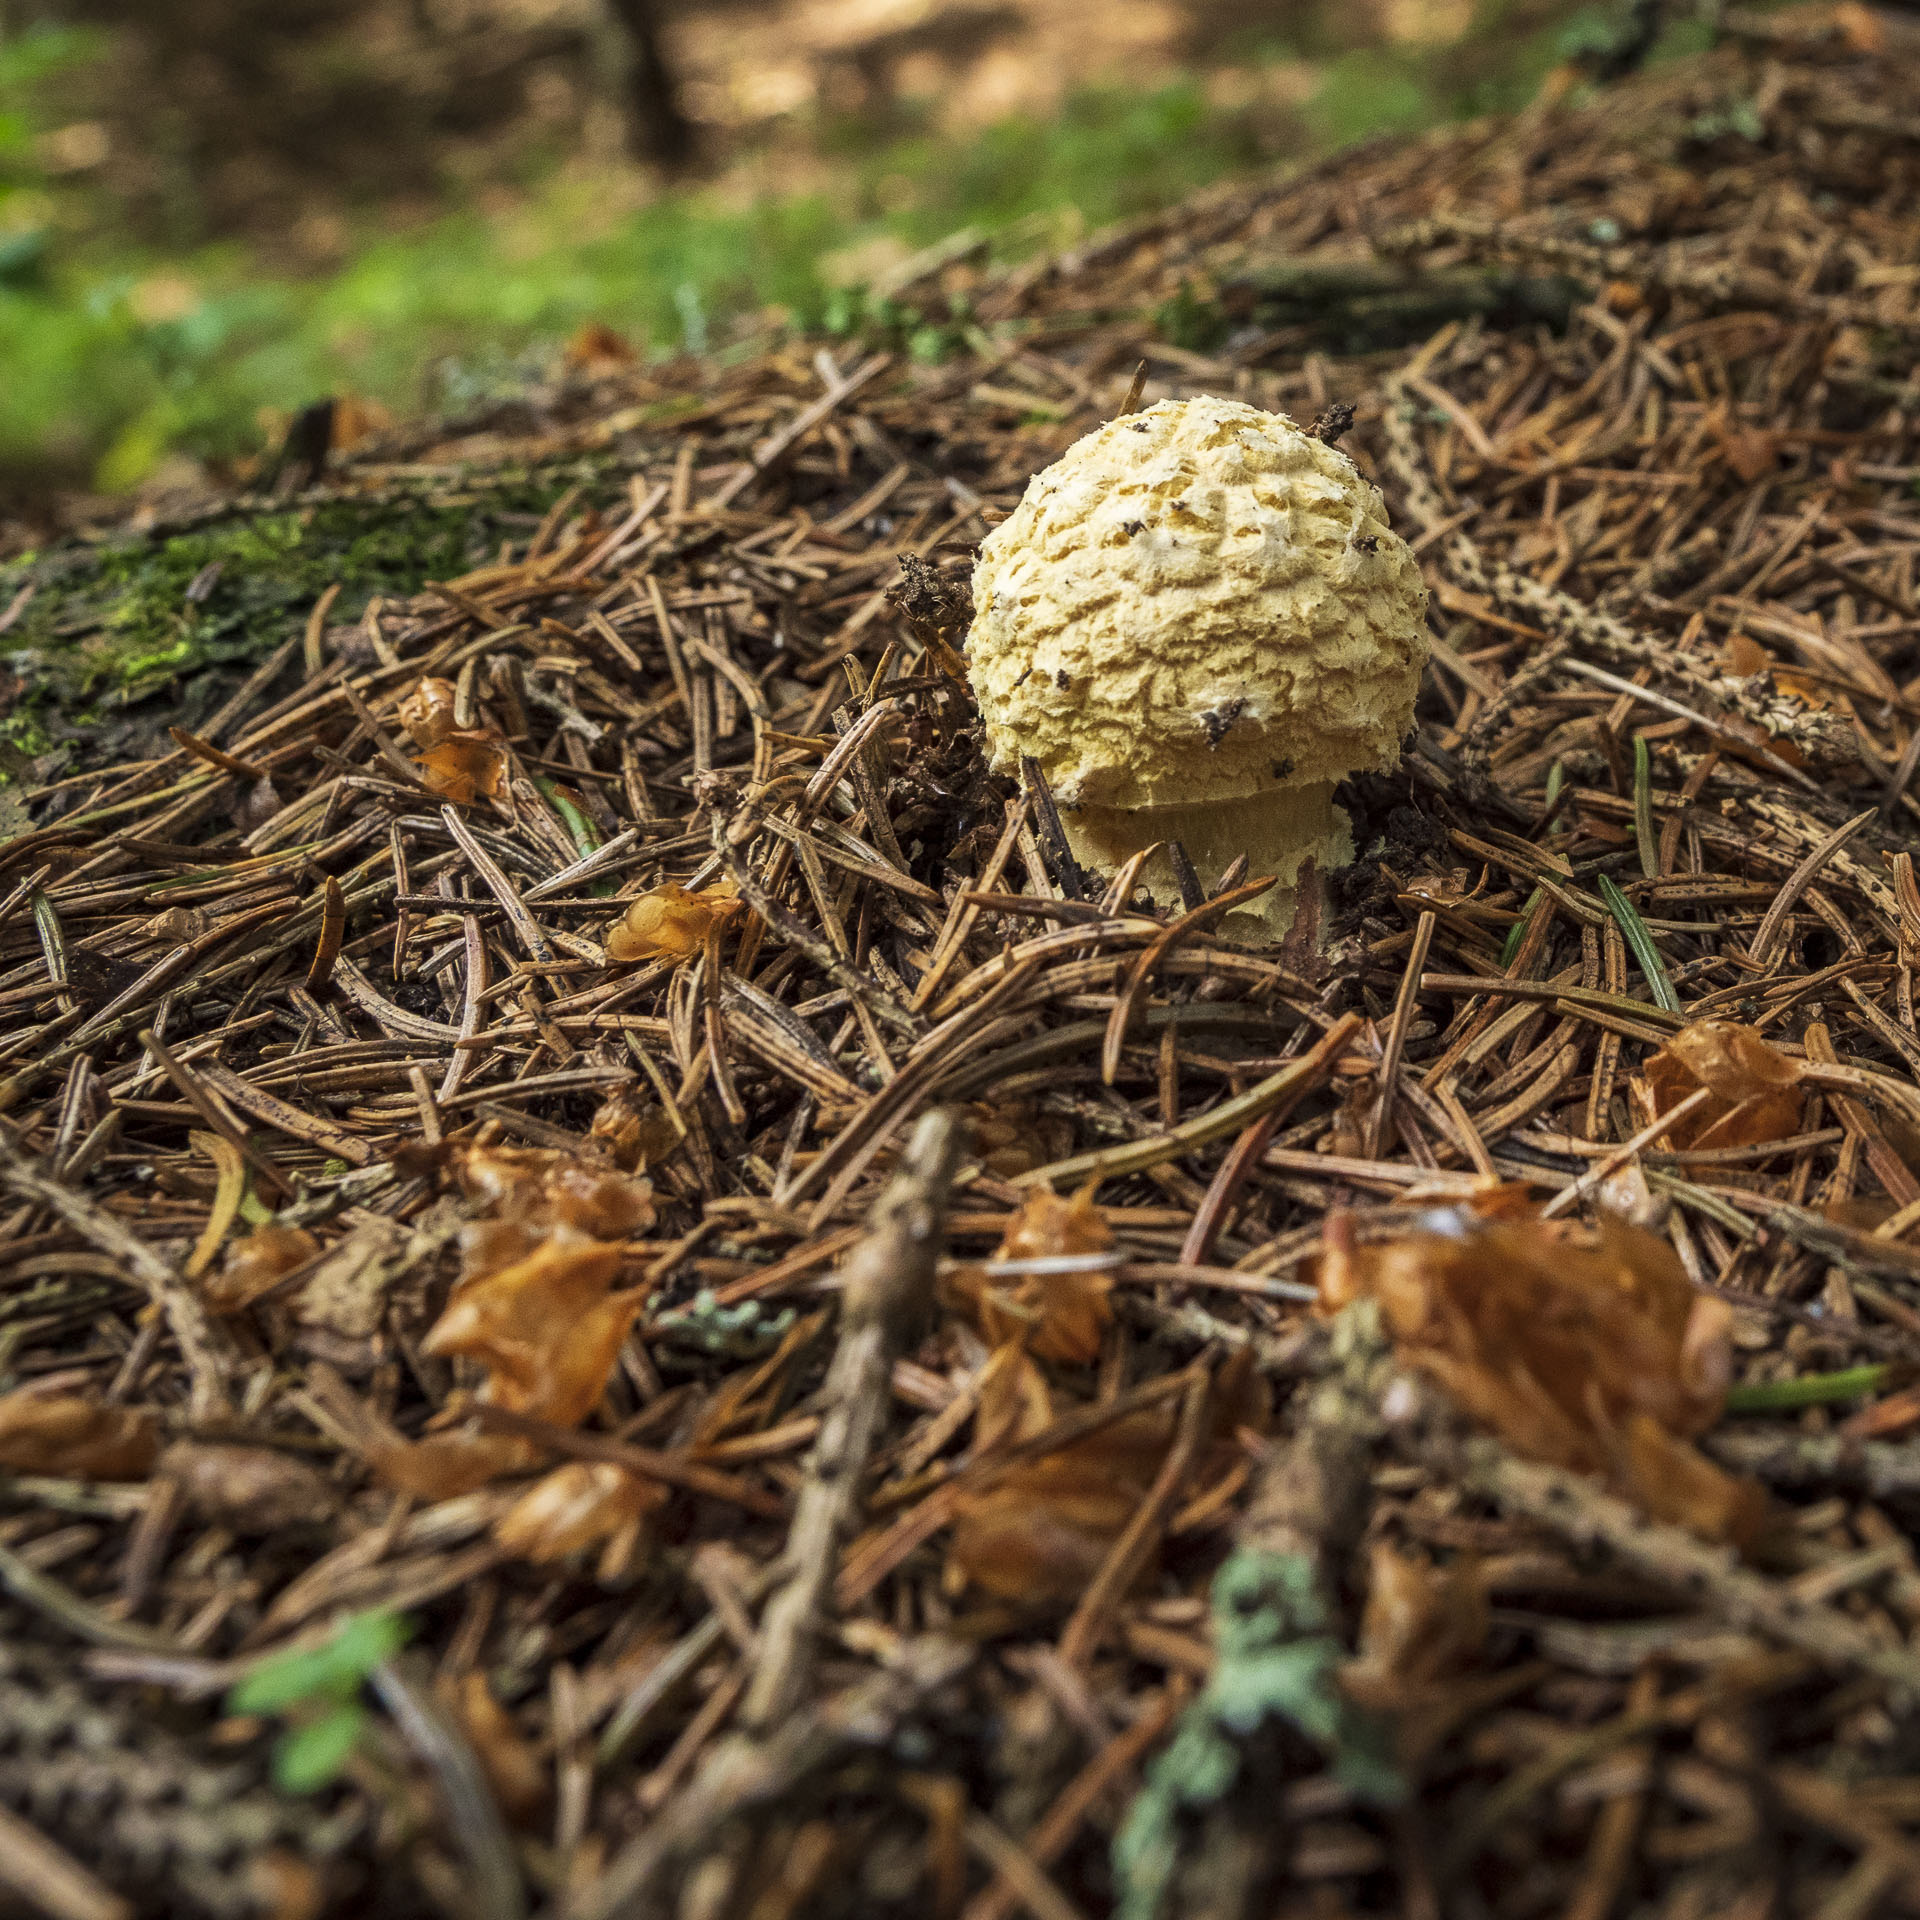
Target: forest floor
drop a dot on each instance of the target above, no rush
(624, 1293)
(206, 222)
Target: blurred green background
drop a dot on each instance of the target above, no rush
(214, 211)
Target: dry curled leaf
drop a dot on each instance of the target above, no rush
(595, 351)
(444, 1466)
(256, 1265)
(513, 1768)
(1569, 1341)
(1751, 452)
(631, 1136)
(1675, 1482)
(541, 1188)
(535, 1306)
(356, 420)
(1860, 27)
(74, 1437)
(1042, 1529)
(1048, 1281)
(285, 1886)
(251, 1491)
(465, 768)
(547, 1328)
(1347, 1136)
(1047, 1227)
(459, 763)
(1014, 1402)
(427, 712)
(1039, 1530)
(1422, 1624)
(668, 923)
(578, 1505)
(1754, 1088)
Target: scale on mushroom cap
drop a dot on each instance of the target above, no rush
(1197, 621)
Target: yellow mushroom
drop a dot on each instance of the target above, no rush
(1197, 622)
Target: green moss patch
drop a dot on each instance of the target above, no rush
(116, 622)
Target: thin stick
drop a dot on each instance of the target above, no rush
(50, 1880)
(1108, 1768)
(1390, 1056)
(1767, 935)
(494, 1889)
(1142, 1534)
(202, 1345)
(1618, 1158)
(888, 1281)
(1230, 1116)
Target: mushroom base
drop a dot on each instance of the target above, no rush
(1278, 830)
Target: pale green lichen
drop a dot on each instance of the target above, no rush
(739, 1331)
(1276, 1667)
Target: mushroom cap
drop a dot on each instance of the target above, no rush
(1193, 603)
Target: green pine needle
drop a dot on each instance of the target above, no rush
(1518, 931)
(1810, 1390)
(1643, 808)
(1640, 940)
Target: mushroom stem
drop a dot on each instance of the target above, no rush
(1278, 830)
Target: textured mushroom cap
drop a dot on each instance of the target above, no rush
(1196, 602)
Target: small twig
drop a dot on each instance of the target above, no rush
(1200, 920)
(494, 1889)
(1391, 1053)
(1142, 1533)
(497, 884)
(1192, 893)
(1619, 1157)
(50, 1880)
(1062, 1820)
(1767, 935)
(842, 973)
(742, 1774)
(189, 1084)
(888, 1280)
(1714, 729)
(668, 1469)
(1582, 1510)
(60, 1604)
(797, 429)
(1108, 1163)
(202, 1345)
(1012, 1863)
(1053, 836)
